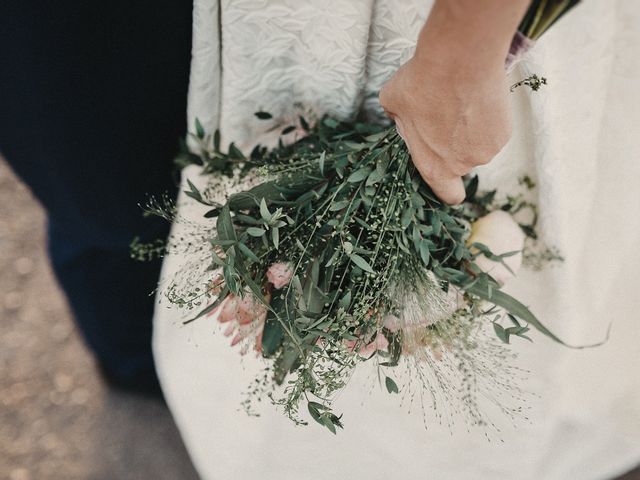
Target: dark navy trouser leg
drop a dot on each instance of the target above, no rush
(92, 103)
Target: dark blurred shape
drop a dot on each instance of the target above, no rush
(57, 420)
(92, 103)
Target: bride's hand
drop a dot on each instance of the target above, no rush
(450, 125)
(450, 101)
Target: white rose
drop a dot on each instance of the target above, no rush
(500, 232)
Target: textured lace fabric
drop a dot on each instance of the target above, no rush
(577, 138)
(330, 56)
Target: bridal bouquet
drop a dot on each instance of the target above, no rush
(334, 252)
(341, 254)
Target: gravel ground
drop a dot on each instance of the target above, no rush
(57, 420)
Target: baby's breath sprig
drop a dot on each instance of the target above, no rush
(534, 82)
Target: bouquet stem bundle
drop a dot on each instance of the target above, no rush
(542, 14)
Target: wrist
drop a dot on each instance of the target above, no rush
(469, 35)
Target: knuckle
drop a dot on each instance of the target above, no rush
(462, 168)
(457, 198)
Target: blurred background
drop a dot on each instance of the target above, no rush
(57, 419)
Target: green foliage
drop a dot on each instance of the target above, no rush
(145, 251)
(346, 209)
(391, 385)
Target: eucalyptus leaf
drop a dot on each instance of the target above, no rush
(264, 210)
(199, 130)
(391, 385)
(247, 251)
(361, 262)
(359, 175)
(517, 309)
(255, 231)
(272, 336)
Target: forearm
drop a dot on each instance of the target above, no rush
(473, 33)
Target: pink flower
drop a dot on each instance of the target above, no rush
(391, 323)
(279, 274)
(245, 318)
(216, 284)
(228, 309)
(380, 343)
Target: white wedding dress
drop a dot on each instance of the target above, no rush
(578, 138)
